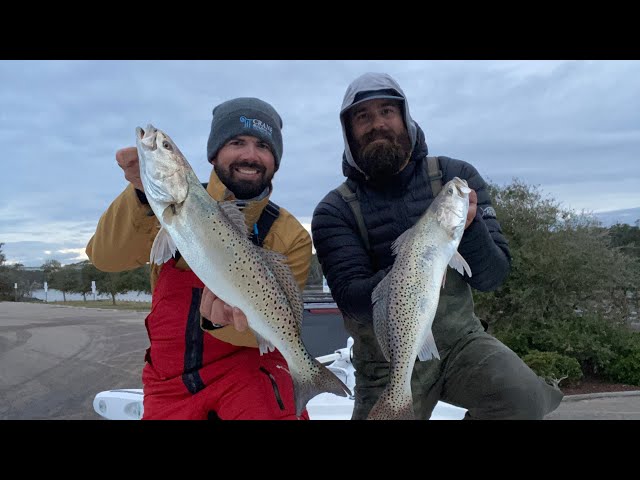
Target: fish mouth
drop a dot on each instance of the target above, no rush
(461, 185)
(148, 137)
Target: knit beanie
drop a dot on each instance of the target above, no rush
(245, 116)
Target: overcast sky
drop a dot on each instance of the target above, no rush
(570, 127)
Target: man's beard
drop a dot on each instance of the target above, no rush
(241, 188)
(380, 160)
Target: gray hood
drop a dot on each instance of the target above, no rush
(376, 85)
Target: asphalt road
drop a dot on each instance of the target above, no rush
(54, 359)
(599, 406)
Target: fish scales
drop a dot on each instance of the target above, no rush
(406, 300)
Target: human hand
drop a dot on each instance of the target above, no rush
(473, 207)
(220, 313)
(127, 159)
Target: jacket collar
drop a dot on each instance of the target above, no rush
(219, 192)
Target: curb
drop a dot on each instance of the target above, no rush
(588, 396)
(55, 305)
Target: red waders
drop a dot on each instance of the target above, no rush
(191, 375)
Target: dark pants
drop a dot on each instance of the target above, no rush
(478, 373)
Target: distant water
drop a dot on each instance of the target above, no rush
(629, 216)
(56, 296)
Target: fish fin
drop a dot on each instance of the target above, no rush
(429, 349)
(163, 247)
(380, 301)
(158, 191)
(444, 278)
(397, 243)
(321, 380)
(277, 263)
(235, 215)
(460, 264)
(264, 345)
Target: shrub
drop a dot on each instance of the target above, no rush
(554, 367)
(625, 366)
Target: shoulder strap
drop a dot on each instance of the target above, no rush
(435, 175)
(261, 228)
(263, 225)
(352, 200)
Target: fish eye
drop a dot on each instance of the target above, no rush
(166, 145)
(450, 191)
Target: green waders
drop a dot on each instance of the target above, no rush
(475, 371)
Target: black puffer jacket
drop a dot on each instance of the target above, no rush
(352, 273)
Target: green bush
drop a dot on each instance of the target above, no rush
(625, 366)
(517, 339)
(554, 367)
(593, 341)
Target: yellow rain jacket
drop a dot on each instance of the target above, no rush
(126, 231)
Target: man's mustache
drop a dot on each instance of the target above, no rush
(376, 135)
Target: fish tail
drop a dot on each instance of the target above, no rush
(392, 406)
(323, 380)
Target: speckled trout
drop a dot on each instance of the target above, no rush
(214, 240)
(406, 299)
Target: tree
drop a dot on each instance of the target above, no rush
(567, 289)
(66, 279)
(315, 272)
(561, 261)
(12, 275)
(627, 238)
(88, 274)
(113, 283)
(49, 267)
(5, 285)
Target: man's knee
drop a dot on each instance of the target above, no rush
(492, 382)
(528, 402)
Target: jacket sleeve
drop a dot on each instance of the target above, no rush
(345, 262)
(483, 244)
(124, 234)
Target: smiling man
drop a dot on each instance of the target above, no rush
(189, 373)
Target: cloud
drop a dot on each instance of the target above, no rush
(569, 126)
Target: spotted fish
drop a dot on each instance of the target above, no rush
(405, 301)
(214, 240)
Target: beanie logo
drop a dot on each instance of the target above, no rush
(256, 124)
